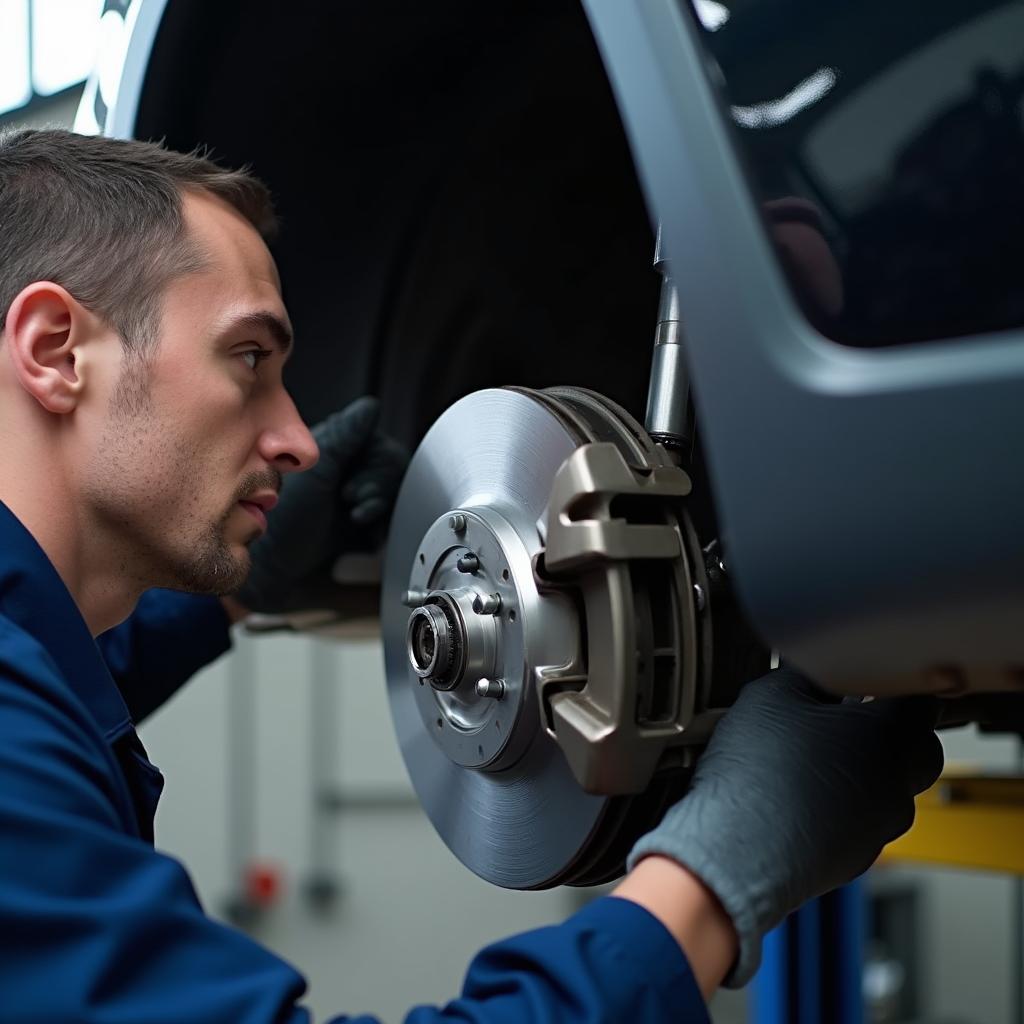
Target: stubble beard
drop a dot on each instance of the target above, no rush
(211, 566)
(214, 567)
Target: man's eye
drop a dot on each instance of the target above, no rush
(254, 357)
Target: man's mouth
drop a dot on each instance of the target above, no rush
(258, 505)
(256, 512)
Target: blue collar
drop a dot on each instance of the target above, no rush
(33, 596)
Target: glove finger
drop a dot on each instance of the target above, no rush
(389, 458)
(359, 489)
(910, 728)
(380, 473)
(925, 762)
(787, 682)
(910, 713)
(920, 711)
(370, 511)
(345, 434)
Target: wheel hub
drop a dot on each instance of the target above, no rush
(475, 627)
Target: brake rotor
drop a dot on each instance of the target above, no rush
(470, 629)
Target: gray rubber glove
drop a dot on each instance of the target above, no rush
(795, 795)
(339, 506)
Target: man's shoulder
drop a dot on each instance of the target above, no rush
(52, 753)
(22, 656)
(32, 686)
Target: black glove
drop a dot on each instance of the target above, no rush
(340, 505)
(796, 794)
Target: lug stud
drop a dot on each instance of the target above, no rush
(493, 688)
(487, 604)
(468, 563)
(457, 523)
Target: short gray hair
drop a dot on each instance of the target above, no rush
(103, 218)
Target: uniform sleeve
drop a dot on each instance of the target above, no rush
(167, 639)
(613, 961)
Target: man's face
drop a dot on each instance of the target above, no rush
(205, 423)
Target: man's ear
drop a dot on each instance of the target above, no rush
(45, 326)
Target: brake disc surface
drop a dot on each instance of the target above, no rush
(465, 529)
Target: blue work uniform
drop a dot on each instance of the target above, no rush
(98, 926)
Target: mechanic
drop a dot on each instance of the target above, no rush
(146, 434)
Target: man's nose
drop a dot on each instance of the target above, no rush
(288, 445)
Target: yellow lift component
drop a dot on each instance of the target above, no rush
(970, 821)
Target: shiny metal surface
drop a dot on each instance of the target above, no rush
(431, 645)
(668, 396)
(495, 785)
(668, 406)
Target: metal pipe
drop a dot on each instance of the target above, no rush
(242, 812)
(323, 884)
(668, 397)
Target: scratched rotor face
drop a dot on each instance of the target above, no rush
(466, 629)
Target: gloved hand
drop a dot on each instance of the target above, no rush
(338, 506)
(795, 795)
